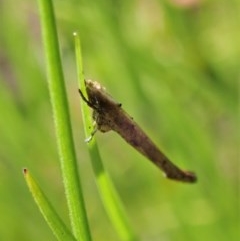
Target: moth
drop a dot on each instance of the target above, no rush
(109, 115)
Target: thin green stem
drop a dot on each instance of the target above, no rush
(55, 223)
(62, 124)
(111, 201)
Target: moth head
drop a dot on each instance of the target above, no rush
(98, 96)
(94, 85)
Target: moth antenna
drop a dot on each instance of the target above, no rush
(85, 99)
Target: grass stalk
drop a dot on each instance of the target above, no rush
(62, 123)
(109, 196)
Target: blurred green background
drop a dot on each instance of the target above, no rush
(174, 65)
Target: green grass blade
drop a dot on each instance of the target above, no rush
(111, 201)
(55, 223)
(62, 123)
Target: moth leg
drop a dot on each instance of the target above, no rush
(86, 100)
(88, 139)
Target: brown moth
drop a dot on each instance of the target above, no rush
(109, 115)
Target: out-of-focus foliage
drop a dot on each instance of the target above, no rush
(174, 65)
